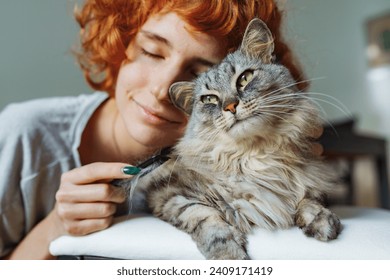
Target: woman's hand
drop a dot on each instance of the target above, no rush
(86, 202)
(316, 147)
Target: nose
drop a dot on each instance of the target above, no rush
(163, 80)
(232, 106)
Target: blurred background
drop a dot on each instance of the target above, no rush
(333, 42)
(35, 50)
(344, 47)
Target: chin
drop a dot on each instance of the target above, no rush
(246, 129)
(156, 138)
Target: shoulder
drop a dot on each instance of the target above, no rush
(40, 132)
(45, 113)
(47, 128)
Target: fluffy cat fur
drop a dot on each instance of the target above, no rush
(245, 159)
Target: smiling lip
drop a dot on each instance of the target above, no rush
(154, 117)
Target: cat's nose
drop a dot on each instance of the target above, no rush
(231, 107)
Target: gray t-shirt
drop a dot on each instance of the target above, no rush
(39, 140)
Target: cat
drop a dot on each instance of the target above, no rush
(245, 159)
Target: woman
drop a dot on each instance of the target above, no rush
(59, 155)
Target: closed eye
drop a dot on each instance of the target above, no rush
(209, 99)
(151, 55)
(194, 74)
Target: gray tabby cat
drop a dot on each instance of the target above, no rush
(245, 159)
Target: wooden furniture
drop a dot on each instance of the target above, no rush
(340, 140)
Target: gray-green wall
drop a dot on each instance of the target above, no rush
(36, 38)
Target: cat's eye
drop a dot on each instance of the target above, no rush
(209, 99)
(244, 79)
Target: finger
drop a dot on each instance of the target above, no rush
(90, 193)
(317, 132)
(82, 211)
(317, 148)
(83, 227)
(98, 171)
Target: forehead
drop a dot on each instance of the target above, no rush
(171, 28)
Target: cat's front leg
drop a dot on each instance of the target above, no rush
(317, 221)
(215, 238)
(218, 240)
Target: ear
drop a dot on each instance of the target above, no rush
(181, 95)
(258, 41)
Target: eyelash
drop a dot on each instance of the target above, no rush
(151, 55)
(154, 56)
(194, 74)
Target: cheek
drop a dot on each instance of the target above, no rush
(130, 77)
(211, 117)
(128, 83)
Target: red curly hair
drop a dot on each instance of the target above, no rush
(108, 26)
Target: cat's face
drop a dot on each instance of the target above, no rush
(243, 96)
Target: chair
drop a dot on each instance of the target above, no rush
(340, 141)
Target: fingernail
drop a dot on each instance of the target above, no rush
(131, 170)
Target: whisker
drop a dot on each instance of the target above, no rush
(310, 95)
(293, 84)
(295, 106)
(273, 114)
(337, 103)
(333, 104)
(284, 96)
(341, 106)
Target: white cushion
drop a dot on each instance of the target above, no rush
(365, 235)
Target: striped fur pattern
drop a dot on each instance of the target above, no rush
(245, 159)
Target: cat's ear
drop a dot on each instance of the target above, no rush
(181, 95)
(258, 41)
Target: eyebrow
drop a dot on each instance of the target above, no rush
(205, 62)
(156, 37)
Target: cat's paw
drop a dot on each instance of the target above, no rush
(226, 244)
(228, 250)
(325, 226)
